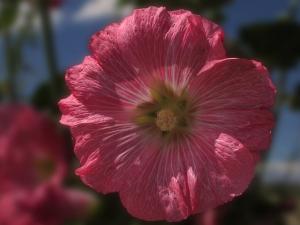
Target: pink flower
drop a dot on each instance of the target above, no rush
(31, 149)
(32, 169)
(47, 204)
(160, 115)
(55, 3)
(209, 217)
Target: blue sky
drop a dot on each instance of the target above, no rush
(242, 12)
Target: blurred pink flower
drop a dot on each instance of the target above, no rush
(47, 204)
(32, 169)
(209, 217)
(160, 115)
(31, 149)
(55, 3)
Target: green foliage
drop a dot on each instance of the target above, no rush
(256, 206)
(295, 104)
(2, 90)
(186, 4)
(8, 13)
(210, 8)
(44, 97)
(275, 43)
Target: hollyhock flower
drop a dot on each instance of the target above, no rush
(47, 204)
(32, 169)
(209, 217)
(160, 115)
(31, 149)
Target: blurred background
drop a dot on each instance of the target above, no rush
(40, 39)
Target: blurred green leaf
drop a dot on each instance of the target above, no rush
(295, 104)
(275, 43)
(8, 13)
(43, 97)
(2, 90)
(256, 206)
(210, 8)
(184, 4)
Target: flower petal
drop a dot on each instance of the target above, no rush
(215, 36)
(234, 96)
(153, 42)
(141, 39)
(251, 127)
(234, 83)
(213, 33)
(187, 50)
(105, 49)
(75, 113)
(195, 175)
(94, 89)
(108, 153)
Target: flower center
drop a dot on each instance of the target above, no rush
(45, 167)
(166, 120)
(169, 112)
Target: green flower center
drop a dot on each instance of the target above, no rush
(45, 168)
(168, 112)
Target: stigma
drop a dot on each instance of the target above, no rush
(166, 120)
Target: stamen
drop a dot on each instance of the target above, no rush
(166, 120)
